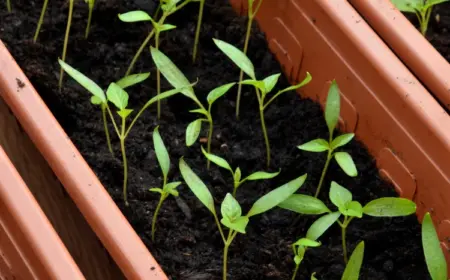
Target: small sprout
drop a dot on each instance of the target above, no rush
(91, 4)
(237, 181)
(434, 257)
(299, 249)
(350, 209)
(344, 160)
(263, 87)
(422, 9)
(168, 188)
(231, 210)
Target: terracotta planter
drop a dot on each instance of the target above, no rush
(404, 127)
(410, 46)
(29, 246)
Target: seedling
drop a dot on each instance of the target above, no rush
(8, 6)
(168, 188)
(197, 30)
(350, 209)
(237, 181)
(434, 257)
(344, 159)
(251, 13)
(422, 9)
(231, 210)
(158, 27)
(119, 97)
(262, 87)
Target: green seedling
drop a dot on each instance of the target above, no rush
(8, 6)
(434, 257)
(168, 7)
(168, 188)
(119, 97)
(353, 267)
(197, 30)
(422, 9)
(262, 87)
(237, 176)
(158, 27)
(91, 4)
(348, 208)
(251, 13)
(344, 159)
(231, 211)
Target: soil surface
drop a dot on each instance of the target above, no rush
(187, 243)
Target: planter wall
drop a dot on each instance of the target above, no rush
(404, 127)
(29, 246)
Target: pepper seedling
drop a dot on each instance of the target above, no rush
(251, 13)
(158, 27)
(344, 159)
(119, 97)
(422, 9)
(168, 188)
(231, 211)
(348, 208)
(262, 87)
(237, 180)
(434, 257)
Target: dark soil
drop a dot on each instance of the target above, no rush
(188, 245)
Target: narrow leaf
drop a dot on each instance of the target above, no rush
(237, 56)
(305, 242)
(305, 81)
(270, 82)
(193, 131)
(345, 161)
(132, 80)
(171, 186)
(304, 204)
(161, 152)
(135, 16)
(321, 225)
(117, 96)
(255, 83)
(342, 140)
(332, 107)
(199, 111)
(316, 145)
(237, 175)
(353, 267)
(166, 27)
(157, 190)
(261, 175)
(313, 276)
(238, 225)
(217, 160)
(408, 5)
(230, 208)
(276, 196)
(434, 257)
(390, 207)
(339, 195)
(95, 100)
(165, 94)
(218, 92)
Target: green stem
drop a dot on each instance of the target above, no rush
(91, 9)
(236, 185)
(138, 53)
(66, 40)
(225, 259)
(158, 77)
(425, 21)
(41, 20)
(8, 5)
(155, 215)
(124, 161)
(266, 138)
(210, 133)
(105, 123)
(295, 272)
(344, 242)
(156, 14)
(220, 228)
(197, 31)
(241, 75)
(324, 171)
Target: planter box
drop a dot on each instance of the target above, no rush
(403, 126)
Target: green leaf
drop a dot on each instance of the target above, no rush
(332, 107)
(165, 94)
(316, 145)
(342, 140)
(353, 267)
(237, 175)
(276, 196)
(261, 175)
(193, 131)
(408, 5)
(131, 80)
(84, 81)
(218, 92)
(230, 208)
(217, 160)
(306, 242)
(430, 3)
(161, 152)
(339, 195)
(199, 111)
(117, 96)
(321, 225)
(304, 204)
(270, 82)
(238, 225)
(172, 74)
(390, 207)
(305, 81)
(172, 188)
(313, 277)
(157, 190)
(434, 257)
(255, 83)
(197, 186)
(237, 56)
(166, 27)
(298, 260)
(135, 16)
(124, 113)
(345, 161)
(354, 209)
(95, 100)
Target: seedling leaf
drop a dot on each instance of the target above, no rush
(306, 242)
(345, 161)
(237, 56)
(166, 27)
(199, 111)
(217, 160)
(318, 228)
(193, 131)
(390, 207)
(408, 5)
(342, 140)
(131, 80)
(157, 190)
(255, 83)
(238, 225)
(218, 92)
(316, 145)
(354, 209)
(95, 100)
(304, 204)
(270, 82)
(313, 277)
(117, 96)
(353, 267)
(135, 16)
(339, 195)
(261, 175)
(161, 152)
(237, 175)
(172, 188)
(332, 107)
(305, 81)
(230, 208)
(124, 113)
(434, 257)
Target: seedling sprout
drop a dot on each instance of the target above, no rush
(231, 210)
(344, 159)
(262, 87)
(434, 257)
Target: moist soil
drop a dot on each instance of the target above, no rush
(187, 243)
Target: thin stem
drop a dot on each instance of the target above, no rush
(158, 77)
(324, 171)
(155, 215)
(105, 123)
(124, 161)
(225, 258)
(197, 31)
(236, 185)
(241, 75)
(257, 8)
(91, 9)
(41, 20)
(295, 272)
(220, 228)
(210, 133)
(344, 243)
(139, 52)
(179, 7)
(155, 15)
(425, 21)
(113, 121)
(66, 40)
(8, 5)
(266, 138)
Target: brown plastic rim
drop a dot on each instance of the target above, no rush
(404, 127)
(408, 43)
(29, 246)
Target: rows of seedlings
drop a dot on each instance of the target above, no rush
(219, 165)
